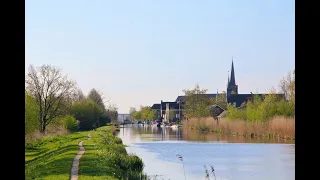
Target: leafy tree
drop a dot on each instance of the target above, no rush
(152, 114)
(196, 102)
(88, 112)
(70, 123)
(52, 92)
(97, 97)
(137, 115)
(103, 120)
(145, 110)
(220, 100)
(32, 122)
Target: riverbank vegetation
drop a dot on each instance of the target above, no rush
(270, 116)
(54, 105)
(276, 127)
(51, 157)
(145, 113)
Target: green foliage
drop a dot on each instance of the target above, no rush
(70, 123)
(105, 157)
(51, 154)
(52, 91)
(88, 112)
(103, 120)
(261, 110)
(137, 115)
(197, 102)
(220, 100)
(32, 119)
(97, 98)
(235, 113)
(145, 113)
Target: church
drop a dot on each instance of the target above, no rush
(232, 97)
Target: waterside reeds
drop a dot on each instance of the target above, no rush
(276, 127)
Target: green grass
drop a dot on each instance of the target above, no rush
(51, 157)
(105, 157)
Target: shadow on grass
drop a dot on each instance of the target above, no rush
(52, 153)
(56, 163)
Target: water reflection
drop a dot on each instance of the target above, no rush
(154, 133)
(234, 157)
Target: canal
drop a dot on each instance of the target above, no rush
(233, 157)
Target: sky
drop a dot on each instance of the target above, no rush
(143, 51)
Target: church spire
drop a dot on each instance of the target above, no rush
(233, 79)
(232, 87)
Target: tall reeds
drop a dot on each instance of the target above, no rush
(276, 127)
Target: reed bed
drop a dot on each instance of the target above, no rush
(276, 127)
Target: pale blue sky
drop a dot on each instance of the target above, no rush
(139, 52)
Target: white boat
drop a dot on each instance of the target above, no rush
(174, 126)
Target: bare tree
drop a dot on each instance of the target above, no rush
(97, 97)
(51, 90)
(78, 95)
(287, 85)
(132, 110)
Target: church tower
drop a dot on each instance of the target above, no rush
(232, 87)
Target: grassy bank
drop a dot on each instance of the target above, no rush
(276, 127)
(51, 157)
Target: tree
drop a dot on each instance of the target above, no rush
(97, 97)
(51, 90)
(137, 115)
(88, 112)
(144, 112)
(220, 100)
(152, 114)
(78, 96)
(112, 112)
(32, 122)
(132, 110)
(196, 102)
(287, 85)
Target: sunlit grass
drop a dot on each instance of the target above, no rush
(51, 157)
(105, 157)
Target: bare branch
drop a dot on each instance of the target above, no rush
(50, 88)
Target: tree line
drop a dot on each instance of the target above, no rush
(51, 98)
(197, 104)
(145, 113)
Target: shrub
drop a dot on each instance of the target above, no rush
(32, 122)
(70, 123)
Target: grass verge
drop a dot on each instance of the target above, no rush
(50, 157)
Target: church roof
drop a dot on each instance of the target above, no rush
(240, 98)
(182, 98)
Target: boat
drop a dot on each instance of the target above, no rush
(174, 126)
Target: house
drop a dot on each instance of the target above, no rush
(232, 97)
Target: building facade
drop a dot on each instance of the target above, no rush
(232, 97)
